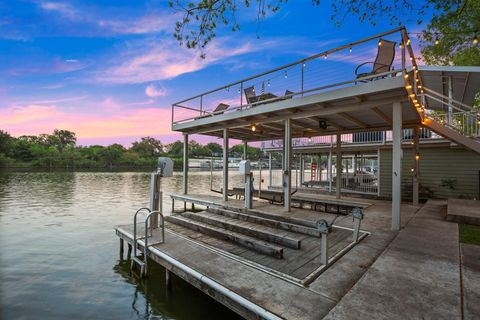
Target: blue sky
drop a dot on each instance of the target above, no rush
(110, 71)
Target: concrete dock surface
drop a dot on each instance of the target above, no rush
(415, 273)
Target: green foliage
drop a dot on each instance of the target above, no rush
(454, 31)
(449, 183)
(201, 18)
(252, 152)
(59, 150)
(469, 234)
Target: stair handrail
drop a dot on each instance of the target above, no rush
(447, 98)
(145, 248)
(472, 127)
(135, 229)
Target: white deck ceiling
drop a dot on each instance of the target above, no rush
(465, 83)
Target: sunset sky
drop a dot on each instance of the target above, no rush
(110, 70)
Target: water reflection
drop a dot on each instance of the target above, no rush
(58, 248)
(153, 300)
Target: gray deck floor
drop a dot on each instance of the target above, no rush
(417, 277)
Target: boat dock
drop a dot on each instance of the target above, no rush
(257, 284)
(287, 254)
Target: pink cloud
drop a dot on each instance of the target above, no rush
(154, 91)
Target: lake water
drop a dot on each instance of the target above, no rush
(59, 256)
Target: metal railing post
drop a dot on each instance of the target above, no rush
(303, 74)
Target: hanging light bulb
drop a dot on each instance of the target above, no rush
(286, 75)
(304, 64)
(238, 90)
(401, 45)
(350, 49)
(268, 83)
(325, 56)
(475, 39)
(437, 42)
(254, 128)
(380, 42)
(309, 139)
(408, 42)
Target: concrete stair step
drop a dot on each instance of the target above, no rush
(235, 237)
(266, 220)
(258, 231)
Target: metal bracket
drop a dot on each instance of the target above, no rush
(357, 215)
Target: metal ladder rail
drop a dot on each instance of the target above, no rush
(135, 259)
(145, 248)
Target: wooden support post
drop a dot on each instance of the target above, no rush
(129, 252)
(302, 170)
(168, 279)
(338, 186)
(269, 169)
(416, 159)
(329, 171)
(185, 167)
(121, 249)
(396, 165)
(225, 165)
(287, 173)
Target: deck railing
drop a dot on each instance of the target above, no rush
(330, 69)
(371, 138)
(453, 114)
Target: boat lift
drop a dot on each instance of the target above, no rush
(164, 169)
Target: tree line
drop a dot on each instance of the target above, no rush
(60, 150)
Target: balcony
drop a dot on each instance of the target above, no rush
(321, 94)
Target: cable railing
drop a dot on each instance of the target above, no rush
(453, 114)
(330, 69)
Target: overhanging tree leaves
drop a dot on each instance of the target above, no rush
(455, 21)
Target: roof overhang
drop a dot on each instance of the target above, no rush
(465, 82)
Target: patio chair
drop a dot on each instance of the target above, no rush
(383, 61)
(288, 94)
(250, 94)
(218, 110)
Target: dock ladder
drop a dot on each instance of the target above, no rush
(138, 260)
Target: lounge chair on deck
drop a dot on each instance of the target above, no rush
(250, 94)
(218, 110)
(383, 61)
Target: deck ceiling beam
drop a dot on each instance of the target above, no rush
(353, 120)
(304, 114)
(382, 115)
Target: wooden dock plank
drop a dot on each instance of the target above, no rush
(243, 240)
(256, 231)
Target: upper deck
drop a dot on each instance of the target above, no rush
(321, 94)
